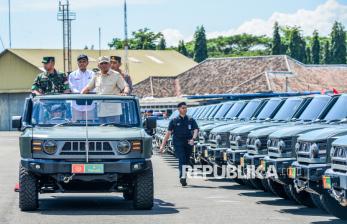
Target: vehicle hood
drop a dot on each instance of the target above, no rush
(210, 126)
(104, 133)
(245, 129)
(295, 130)
(266, 131)
(323, 134)
(225, 128)
(342, 141)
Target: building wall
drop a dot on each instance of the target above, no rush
(11, 104)
(16, 75)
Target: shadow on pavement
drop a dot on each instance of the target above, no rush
(278, 202)
(333, 221)
(235, 186)
(257, 194)
(100, 205)
(304, 211)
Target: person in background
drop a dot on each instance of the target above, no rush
(116, 62)
(184, 131)
(51, 81)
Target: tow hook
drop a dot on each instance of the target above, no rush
(67, 179)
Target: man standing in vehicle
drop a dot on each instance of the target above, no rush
(184, 130)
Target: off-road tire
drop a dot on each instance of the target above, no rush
(143, 190)
(256, 182)
(277, 189)
(28, 192)
(316, 199)
(248, 183)
(302, 197)
(333, 206)
(239, 181)
(265, 184)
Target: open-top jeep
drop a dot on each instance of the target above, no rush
(84, 143)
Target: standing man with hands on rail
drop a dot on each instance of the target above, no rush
(184, 130)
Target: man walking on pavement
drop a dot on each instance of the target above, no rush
(184, 130)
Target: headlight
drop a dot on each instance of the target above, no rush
(314, 150)
(257, 144)
(123, 147)
(248, 140)
(210, 136)
(281, 145)
(268, 143)
(238, 140)
(218, 138)
(50, 147)
(332, 151)
(205, 134)
(297, 147)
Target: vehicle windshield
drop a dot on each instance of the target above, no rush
(269, 108)
(201, 111)
(206, 112)
(215, 110)
(339, 110)
(288, 109)
(235, 110)
(174, 114)
(250, 109)
(315, 107)
(223, 110)
(52, 112)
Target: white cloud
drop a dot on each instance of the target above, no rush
(320, 18)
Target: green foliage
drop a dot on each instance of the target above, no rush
(200, 46)
(143, 39)
(315, 48)
(276, 41)
(182, 48)
(338, 44)
(162, 44)
(326, 53)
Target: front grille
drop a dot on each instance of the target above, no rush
(251, 146)
(79, 148)
(304, 152)
(273, 147)
(339, 159)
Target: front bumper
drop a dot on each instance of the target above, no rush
(309, 177)
(123, 166)
(234, 156)
(281, 166)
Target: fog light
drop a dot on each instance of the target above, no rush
(37, 166)
(137, 166)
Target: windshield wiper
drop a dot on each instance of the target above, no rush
(64, 123)
(116, 124)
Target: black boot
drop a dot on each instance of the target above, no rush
(183, 182)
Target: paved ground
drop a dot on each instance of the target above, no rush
(204, 201)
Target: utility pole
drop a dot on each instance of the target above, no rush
(126, 46)
(99, 41)
(66, 16)
(9, 24)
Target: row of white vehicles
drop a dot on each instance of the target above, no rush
(303, 139)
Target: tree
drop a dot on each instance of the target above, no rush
(297, 45)
(338, 44)
(315, 48)
(276, 41)
(116, 43)
(145, 39)
(162, 44)
(182, 48)
(308, 56)
(200, 47)
(326, 53)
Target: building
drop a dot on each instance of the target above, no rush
(19, 67)
(246, 75)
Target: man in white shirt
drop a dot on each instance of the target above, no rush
(77, 81)
(82, 76)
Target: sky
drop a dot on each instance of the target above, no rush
(35, 25)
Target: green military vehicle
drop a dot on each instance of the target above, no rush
(334, 198)
(84, 144)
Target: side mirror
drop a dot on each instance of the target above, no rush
(17, 122)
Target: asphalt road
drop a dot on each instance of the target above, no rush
(203, 201)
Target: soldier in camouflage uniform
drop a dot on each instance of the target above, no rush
(51, 81)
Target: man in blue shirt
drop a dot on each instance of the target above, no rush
(184, 131)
